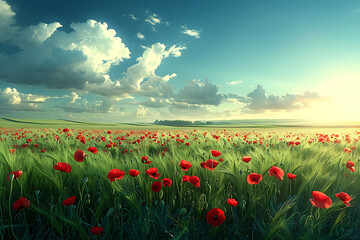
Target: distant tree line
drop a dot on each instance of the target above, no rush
(181, 122)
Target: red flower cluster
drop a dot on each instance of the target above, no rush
(194, 180)
(210, 164)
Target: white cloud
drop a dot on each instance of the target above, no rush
(234, 83)
(63, 60)
(141, 111)
(35, 35)
(74, 96)
(140, 35)
(168, 77)
(141, 78)
(153, 19)
(190, 32)
(132, 17)
(7, 21)
(12, 100)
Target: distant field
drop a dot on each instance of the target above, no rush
(56, 123)
(239, 124)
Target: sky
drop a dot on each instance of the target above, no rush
(139, 61)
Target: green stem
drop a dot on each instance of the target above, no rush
(11, 224)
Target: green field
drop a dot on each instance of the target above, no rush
(129, 209)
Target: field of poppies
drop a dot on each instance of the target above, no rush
(179, 183)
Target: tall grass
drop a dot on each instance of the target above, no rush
(128, 209)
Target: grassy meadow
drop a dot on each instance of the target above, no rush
(128, 208)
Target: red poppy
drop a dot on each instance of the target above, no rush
(232, 202)
(185, 165)
(66, 130)
(215, 217)
(344, 197)
(194, 180)
(186, 178)
(63, 167)
(12, 150)
(96, 230)
(350, 165)
(215, 153)
(221, 159)
(254, 178)
(69, 201)
(211, 164)
(115, 174)
(144, 160)
(79, 155)
(276, 172)
(133, 172)
(156, 186)
(321, 200)
(347, 150)
(109, 132)
(291, 176)
(93, 150)
(16, 174)
(20, 204)
(167, 182)
(246, 159)
(152, 172)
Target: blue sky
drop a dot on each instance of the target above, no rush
(137, 61)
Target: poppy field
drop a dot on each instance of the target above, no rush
(179, 183)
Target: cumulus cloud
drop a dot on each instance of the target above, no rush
(200, 93)
(12, 100)
(139, 35)
(62, 60)
(7, 21)
(74, 96)
(141, 79)
(141, 111)
(191, 32)
(257, 101)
